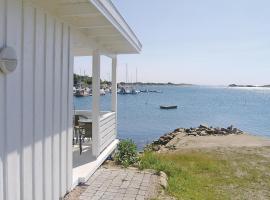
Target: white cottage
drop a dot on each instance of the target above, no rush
(38, 41)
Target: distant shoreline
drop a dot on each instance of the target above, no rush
(249, 86)
(157, 84)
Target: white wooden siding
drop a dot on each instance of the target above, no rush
(49, 45)
(64, 113)
(28, 104)
(70, 113)
(13, 103)
(107, 131)
(39, 104)
(2, 105)
(35, 105)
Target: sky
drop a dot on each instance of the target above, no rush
(210, 42)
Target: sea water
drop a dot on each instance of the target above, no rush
(141, 119)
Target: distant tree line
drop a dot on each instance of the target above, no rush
(86, 80)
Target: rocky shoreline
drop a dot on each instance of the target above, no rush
(200, 131)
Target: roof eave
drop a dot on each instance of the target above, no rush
(107, 8)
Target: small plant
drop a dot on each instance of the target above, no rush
(127, 154)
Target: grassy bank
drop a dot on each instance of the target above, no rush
(241, 173)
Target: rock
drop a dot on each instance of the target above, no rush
(175, 133)
(239, 132)
(230, 128)
(163, 179)
(171, 147)
(202, 130)
(187, 130)
(217, 132)
(223, 129)
(179, 130)
(170, 137)
(203, 133)
(235, 130)
(192, 134)
(224, 133)
(156, 147)
(162, 149)
(164, 139)
(210, 132)
(204, 126)
(155, 142)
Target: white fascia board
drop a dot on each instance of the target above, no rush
(107, 8)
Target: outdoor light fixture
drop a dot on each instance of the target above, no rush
(8, 60)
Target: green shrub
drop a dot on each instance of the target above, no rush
(127, 154)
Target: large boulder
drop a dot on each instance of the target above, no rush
(163, 179)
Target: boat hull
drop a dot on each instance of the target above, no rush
(168, 107)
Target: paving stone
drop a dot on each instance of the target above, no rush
(107, 197)
(132, 191)
(141, 192)
(136, 186)
(125, 185)
(112, 190)
(130, 197)
(140, 197)
(145, 184)
(83, 197)
(102, 188)
(119, 197)
(122, 191)
(95, 198)
(144, 188)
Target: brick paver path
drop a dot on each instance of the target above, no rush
(120, 184)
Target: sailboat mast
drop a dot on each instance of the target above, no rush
(126, 73)
(136, 75)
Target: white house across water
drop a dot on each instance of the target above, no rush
(38, 42)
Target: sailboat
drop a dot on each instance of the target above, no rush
(134, 90)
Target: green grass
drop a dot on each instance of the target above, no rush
(212, 175)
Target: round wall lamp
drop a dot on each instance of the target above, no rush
(8, 60)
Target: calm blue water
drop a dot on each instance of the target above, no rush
(140, 118)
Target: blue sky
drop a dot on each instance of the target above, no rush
(210, 42)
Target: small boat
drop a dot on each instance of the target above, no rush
(168, 107)
(82, 92)
(155, 91)
(79, 93)
(144, 91)
(102, 92)
(124, 90)
(134, 91)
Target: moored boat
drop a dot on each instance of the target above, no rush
(167, 107)
(82, 92)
